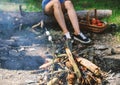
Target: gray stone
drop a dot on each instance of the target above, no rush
(14, 53)
(3, 58)
(116, 50)
(112, 62)
(98, 52)
(100, 47)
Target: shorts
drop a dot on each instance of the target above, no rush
(44, 2)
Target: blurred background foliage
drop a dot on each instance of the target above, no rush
(114, 5)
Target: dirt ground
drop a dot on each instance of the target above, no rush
(24, 51)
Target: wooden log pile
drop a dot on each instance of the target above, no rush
(89, 72)
(79, 70)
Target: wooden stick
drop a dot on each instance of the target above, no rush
(41, 24)
(72, 61)
(52, 81)
(36, 25)
(20, 9)
(89, 65)
(95, 14)
(48, 64)
(56, 72)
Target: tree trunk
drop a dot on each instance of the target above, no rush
(30, 18)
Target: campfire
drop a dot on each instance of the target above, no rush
(67, 67)
(70, 62)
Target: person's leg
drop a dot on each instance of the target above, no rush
(54, 7)
(74, 20)
(72, 15)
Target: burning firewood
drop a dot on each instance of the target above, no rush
(89, 65)
(71, 78)
(52, 81)
(68, 64)
(72, 61)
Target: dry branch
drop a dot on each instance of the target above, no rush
(52, 81)
(48, 64)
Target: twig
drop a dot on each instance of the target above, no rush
(36, 25)
(53, 81)
(20, 26)
(20, 9)
(41, 24)
(48, 64)
(55, 72)
(62, 55)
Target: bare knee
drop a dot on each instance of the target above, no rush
(56, 4)
(51, 6)
(68, 5)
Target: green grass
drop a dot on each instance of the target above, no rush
(101, 4)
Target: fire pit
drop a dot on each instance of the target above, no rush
(26, 50)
